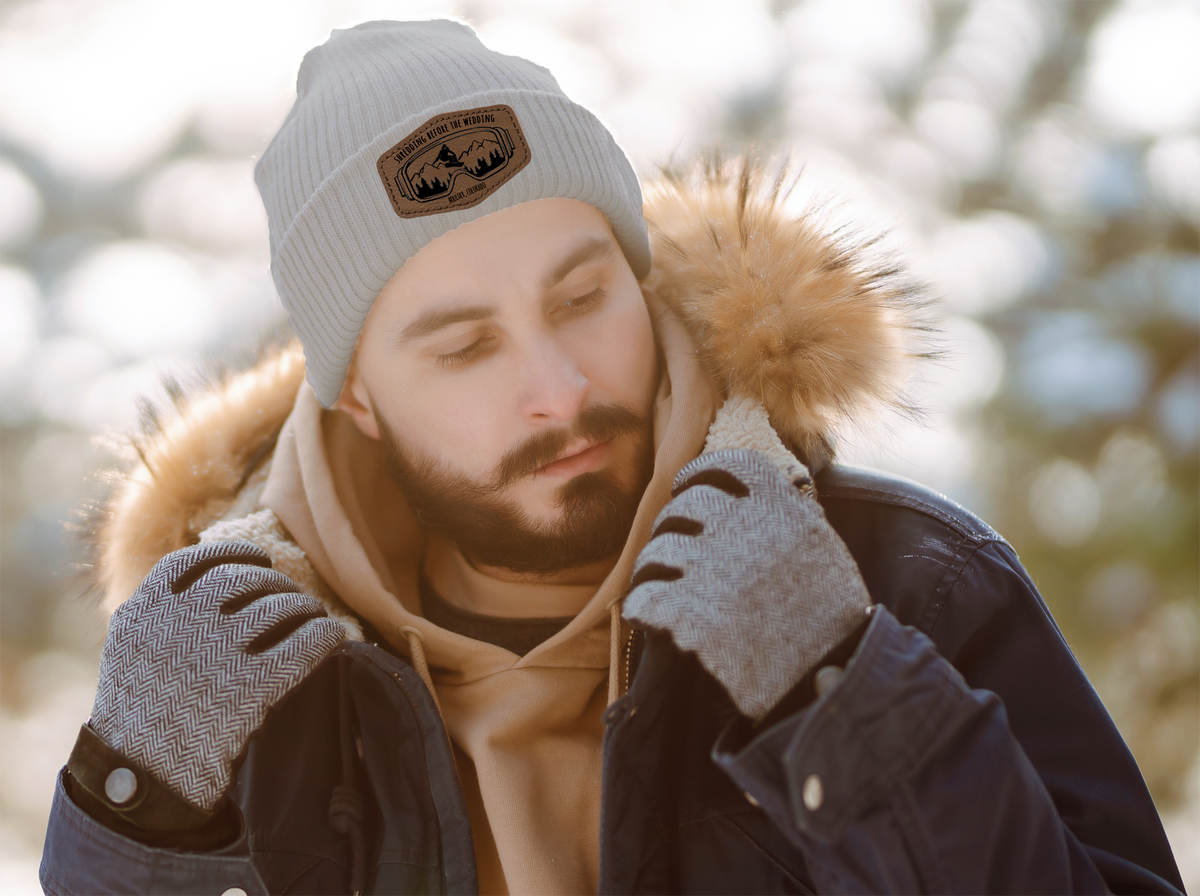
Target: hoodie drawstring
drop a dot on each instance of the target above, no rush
(416, 650)
(614, 653)
(346, 803)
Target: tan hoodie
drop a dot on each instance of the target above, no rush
(530, 726)
(754, 303)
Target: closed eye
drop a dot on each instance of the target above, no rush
(583, 303)
(462, 356)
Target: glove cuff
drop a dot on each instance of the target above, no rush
(119, 792)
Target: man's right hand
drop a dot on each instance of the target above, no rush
(211, 639)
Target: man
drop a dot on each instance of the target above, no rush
(545, 582)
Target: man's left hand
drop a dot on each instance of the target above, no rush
(744, 570)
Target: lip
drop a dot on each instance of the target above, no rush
(578, 459)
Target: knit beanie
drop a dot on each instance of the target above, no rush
(401, 132)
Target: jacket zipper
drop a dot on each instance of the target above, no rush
(629, 660)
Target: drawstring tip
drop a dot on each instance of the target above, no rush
(614, 653)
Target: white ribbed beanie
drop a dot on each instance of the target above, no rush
(401, 132)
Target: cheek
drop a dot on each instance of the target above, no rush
(454, 422)
(619, 356)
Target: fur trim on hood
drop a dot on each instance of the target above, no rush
(817, 326)
(809, 323)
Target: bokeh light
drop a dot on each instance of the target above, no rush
(1144, 71)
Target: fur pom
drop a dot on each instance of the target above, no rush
(807, 322)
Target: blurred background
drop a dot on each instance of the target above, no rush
(1038, 161)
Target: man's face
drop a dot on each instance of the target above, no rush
(510, 369)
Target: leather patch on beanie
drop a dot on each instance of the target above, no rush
(453, 161)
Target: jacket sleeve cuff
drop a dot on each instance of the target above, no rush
(123, 796)
(818, 769)
(81, 855)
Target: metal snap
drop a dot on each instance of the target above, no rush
(826, 679)
(120, 785)
(813, 793)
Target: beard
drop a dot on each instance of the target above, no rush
(597, 509)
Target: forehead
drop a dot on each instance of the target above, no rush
(517, 249)
(520, 237)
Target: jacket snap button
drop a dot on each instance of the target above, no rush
(826, 679)
(751, 800)
(120, 785)
(234, 891)
(813, 793)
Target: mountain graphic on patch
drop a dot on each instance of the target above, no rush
(431, 180)
(453, 161)
(475, 153)
(483, 156)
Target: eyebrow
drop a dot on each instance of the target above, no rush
(592, 250)
(429, 322)
(433, 320)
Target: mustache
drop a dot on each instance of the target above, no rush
(598, 423)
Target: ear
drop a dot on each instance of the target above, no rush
(355, 401)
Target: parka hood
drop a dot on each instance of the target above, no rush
(811, 322)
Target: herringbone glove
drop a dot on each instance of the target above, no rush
(744, 570)
(210, 640)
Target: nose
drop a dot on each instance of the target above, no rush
(553, 389)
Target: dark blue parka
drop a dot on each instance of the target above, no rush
(964, 751)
